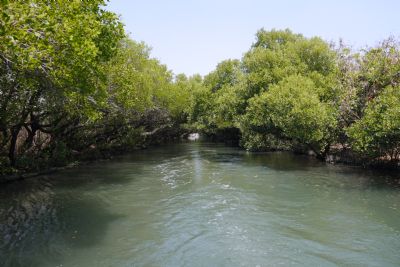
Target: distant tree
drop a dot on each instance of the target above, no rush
(293, 110)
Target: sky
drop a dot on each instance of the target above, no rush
(193, 36)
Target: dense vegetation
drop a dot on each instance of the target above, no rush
(74, 86)
(289, 92)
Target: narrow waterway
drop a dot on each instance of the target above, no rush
(202, 204)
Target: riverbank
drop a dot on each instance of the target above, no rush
(339, 155)
(161, 136)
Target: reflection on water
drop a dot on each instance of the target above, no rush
(28, 219)
(199, 204)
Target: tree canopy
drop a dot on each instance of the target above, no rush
(74, 85)
(298, 93)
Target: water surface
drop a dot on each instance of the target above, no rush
(199, 204)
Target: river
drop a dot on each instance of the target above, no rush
(202, 204)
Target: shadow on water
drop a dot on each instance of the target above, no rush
(93, 175)
(356, 175)
(282, 161)
(348, 177)
(44, 217)
(38, 222)
(356, 178)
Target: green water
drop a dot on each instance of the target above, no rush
(199, 204)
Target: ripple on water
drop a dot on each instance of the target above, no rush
(202, 205)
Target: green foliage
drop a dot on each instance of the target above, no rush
(279, 54)
(377, 133)
(51, 53)
(226, 74)
(71, 82)
(379, 67)
(216, 102)
(292, 109)
(275, 38)
(182, 95)
(176, 98)
(129, 84)
(258, 141)
(200, 109)
(291, 92)
(285, 90)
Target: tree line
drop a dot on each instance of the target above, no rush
(74, 86)
(289, 92)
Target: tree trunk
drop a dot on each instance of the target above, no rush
(13, 145)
